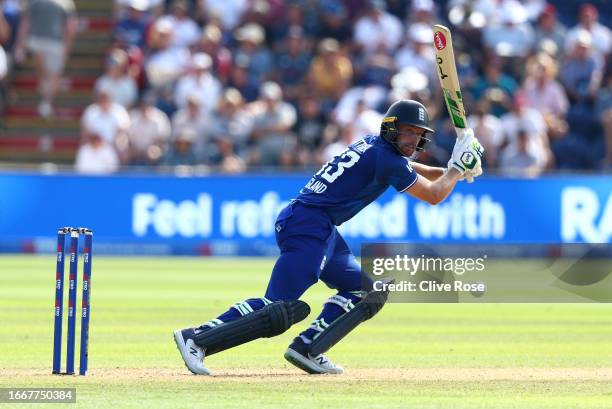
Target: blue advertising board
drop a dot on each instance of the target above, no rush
(235, 214)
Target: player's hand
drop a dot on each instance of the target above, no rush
(474, 173)
(467, 154)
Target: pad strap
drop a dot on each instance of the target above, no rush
(364, 310)
(273, 319)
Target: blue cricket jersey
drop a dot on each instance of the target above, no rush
(356, 177)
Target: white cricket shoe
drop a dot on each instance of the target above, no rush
(297, 355)
(192, 354)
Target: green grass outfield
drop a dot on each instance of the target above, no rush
(410, 356)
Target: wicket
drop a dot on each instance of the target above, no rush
(72, 299)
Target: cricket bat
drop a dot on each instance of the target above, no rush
(449, 80)
(447, 72)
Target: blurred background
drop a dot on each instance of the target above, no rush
(200, 118)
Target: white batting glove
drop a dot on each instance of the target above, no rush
(474, 173)
(467, 154)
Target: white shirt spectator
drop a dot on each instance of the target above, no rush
(147, 4)
(185, 31)
(512, 41)
(345, 111)
(486, 8)
(346, 137)
(96, 158)
(147, 129)
(123, 89)
(106, 122)
(549, 99)
(183, 119)
(3, 63)
(229, 12)
(167, 65)
(367, 122)
(387, 31)
(205, 85)
(424, 62)
(601, 39)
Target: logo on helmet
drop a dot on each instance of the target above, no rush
(421, 114)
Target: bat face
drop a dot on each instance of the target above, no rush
(447, 73)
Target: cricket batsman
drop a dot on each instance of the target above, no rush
(311, 249)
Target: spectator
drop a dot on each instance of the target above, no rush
(131, 29)
(489, 130)
(4, 35)
(181, 152)
(520, 161)
(366, 120)
(310, 125)
(417, 52)
(580, 73)
(513, 37)
(422, 12)
(523, 118)
(201, 81)
(3, 64)
(185, 31)
(96, 156)
(10, 17)
(334, 22)
(229, 161)
(496, 86)
(153, 8)
(239, 79)
(117, 80)
(228, 12)
(211, 43)
(292, 14)
(377, 29)
(471, 15)
(348, 108)
(190, 117)
(149, 133)
(273, 119)
(292, 64)
(166, 63)
(107, 119)
(3, 72)
(603, 110)
(601, 39)
(230, 122)
(541, 90)
(346, 137)
(549, 33)
(47, 30)
(253, 53)
(330, 73)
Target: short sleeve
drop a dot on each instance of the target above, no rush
(395, 171)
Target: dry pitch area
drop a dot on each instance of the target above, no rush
(425, 356)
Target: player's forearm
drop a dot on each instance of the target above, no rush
(444, 185)
(429, 172)
(436, 191)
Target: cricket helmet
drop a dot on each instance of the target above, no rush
(405, 112)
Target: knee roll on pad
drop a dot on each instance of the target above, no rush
(271, 320)
(363, 311)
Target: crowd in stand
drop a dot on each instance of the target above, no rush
(242, 84)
